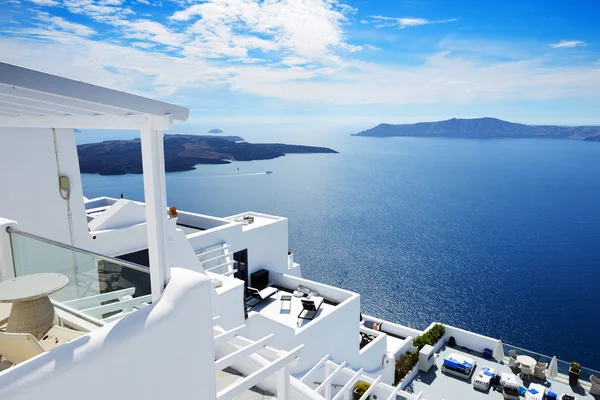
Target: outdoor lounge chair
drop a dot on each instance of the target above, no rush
(595, 388)
(258, 296)
(309, 309)
(19, 347)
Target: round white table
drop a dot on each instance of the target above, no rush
(526, 361)
(31, 311)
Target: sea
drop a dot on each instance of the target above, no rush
(497, 236)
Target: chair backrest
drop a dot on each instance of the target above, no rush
(513, 353)
(595, 380)
(253, 292)
(19, 347)
(525, 369)
(308, 305)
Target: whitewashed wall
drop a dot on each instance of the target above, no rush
(336, 333)
(30, 183)
(162, 351)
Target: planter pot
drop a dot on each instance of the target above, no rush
(573, 377)
(356, 396)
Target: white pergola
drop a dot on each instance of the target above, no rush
(32, 99)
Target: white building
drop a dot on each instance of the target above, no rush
(160, 300)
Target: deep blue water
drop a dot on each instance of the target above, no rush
(497, 236)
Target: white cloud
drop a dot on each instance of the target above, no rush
(307, 28)
(568, 43)
(77, 29)
(405, 22)
(45, 2)
(144, 29)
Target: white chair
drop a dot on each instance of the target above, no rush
(525, 371)
(595, 388)
(19, 347)
(512, 359)
(540, 371)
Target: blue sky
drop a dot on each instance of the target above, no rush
(350, 63)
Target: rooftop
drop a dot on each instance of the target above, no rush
(252, 220)
(436, 385)
(272, 309)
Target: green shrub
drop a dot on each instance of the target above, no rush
(361, 388)
(405, 364)
(430, 337)
(576, 367)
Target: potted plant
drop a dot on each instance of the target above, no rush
(360, 389)
(574, 373)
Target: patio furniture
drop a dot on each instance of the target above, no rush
(309, 309)
(483, 378)
(487, 353)
(510, 385)
(31, 311)
(458, 366)
(258, 296)
(595, 388)
(525, 371)
(19, 347)
(540, 371)
(551, 396)
(535, 392)
(286, 302)
(512, 359)
(528, 362)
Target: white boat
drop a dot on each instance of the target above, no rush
(150, 302)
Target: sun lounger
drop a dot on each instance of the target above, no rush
(483, 378)
(309, 309)
(535, 392)
(258, 296)
(458, 365)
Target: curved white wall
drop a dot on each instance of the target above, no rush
(162, 351)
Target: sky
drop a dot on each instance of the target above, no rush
(352, 63)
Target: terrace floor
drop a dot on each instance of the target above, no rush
(436, 386)
(271, 308)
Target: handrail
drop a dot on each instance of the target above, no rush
(117, 261)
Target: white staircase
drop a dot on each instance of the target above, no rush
(217, 259)
(260, 366)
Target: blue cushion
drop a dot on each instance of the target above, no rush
(533, 391)
(522, 391)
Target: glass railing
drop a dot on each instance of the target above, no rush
(562, 366)
(100, 288)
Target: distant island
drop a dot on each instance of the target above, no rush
(182, 153)
(215, 131)
(483, 128)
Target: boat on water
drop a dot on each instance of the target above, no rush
(165, 303)
(269, 172)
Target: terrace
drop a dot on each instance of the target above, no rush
(436, 385)
(272, 308)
